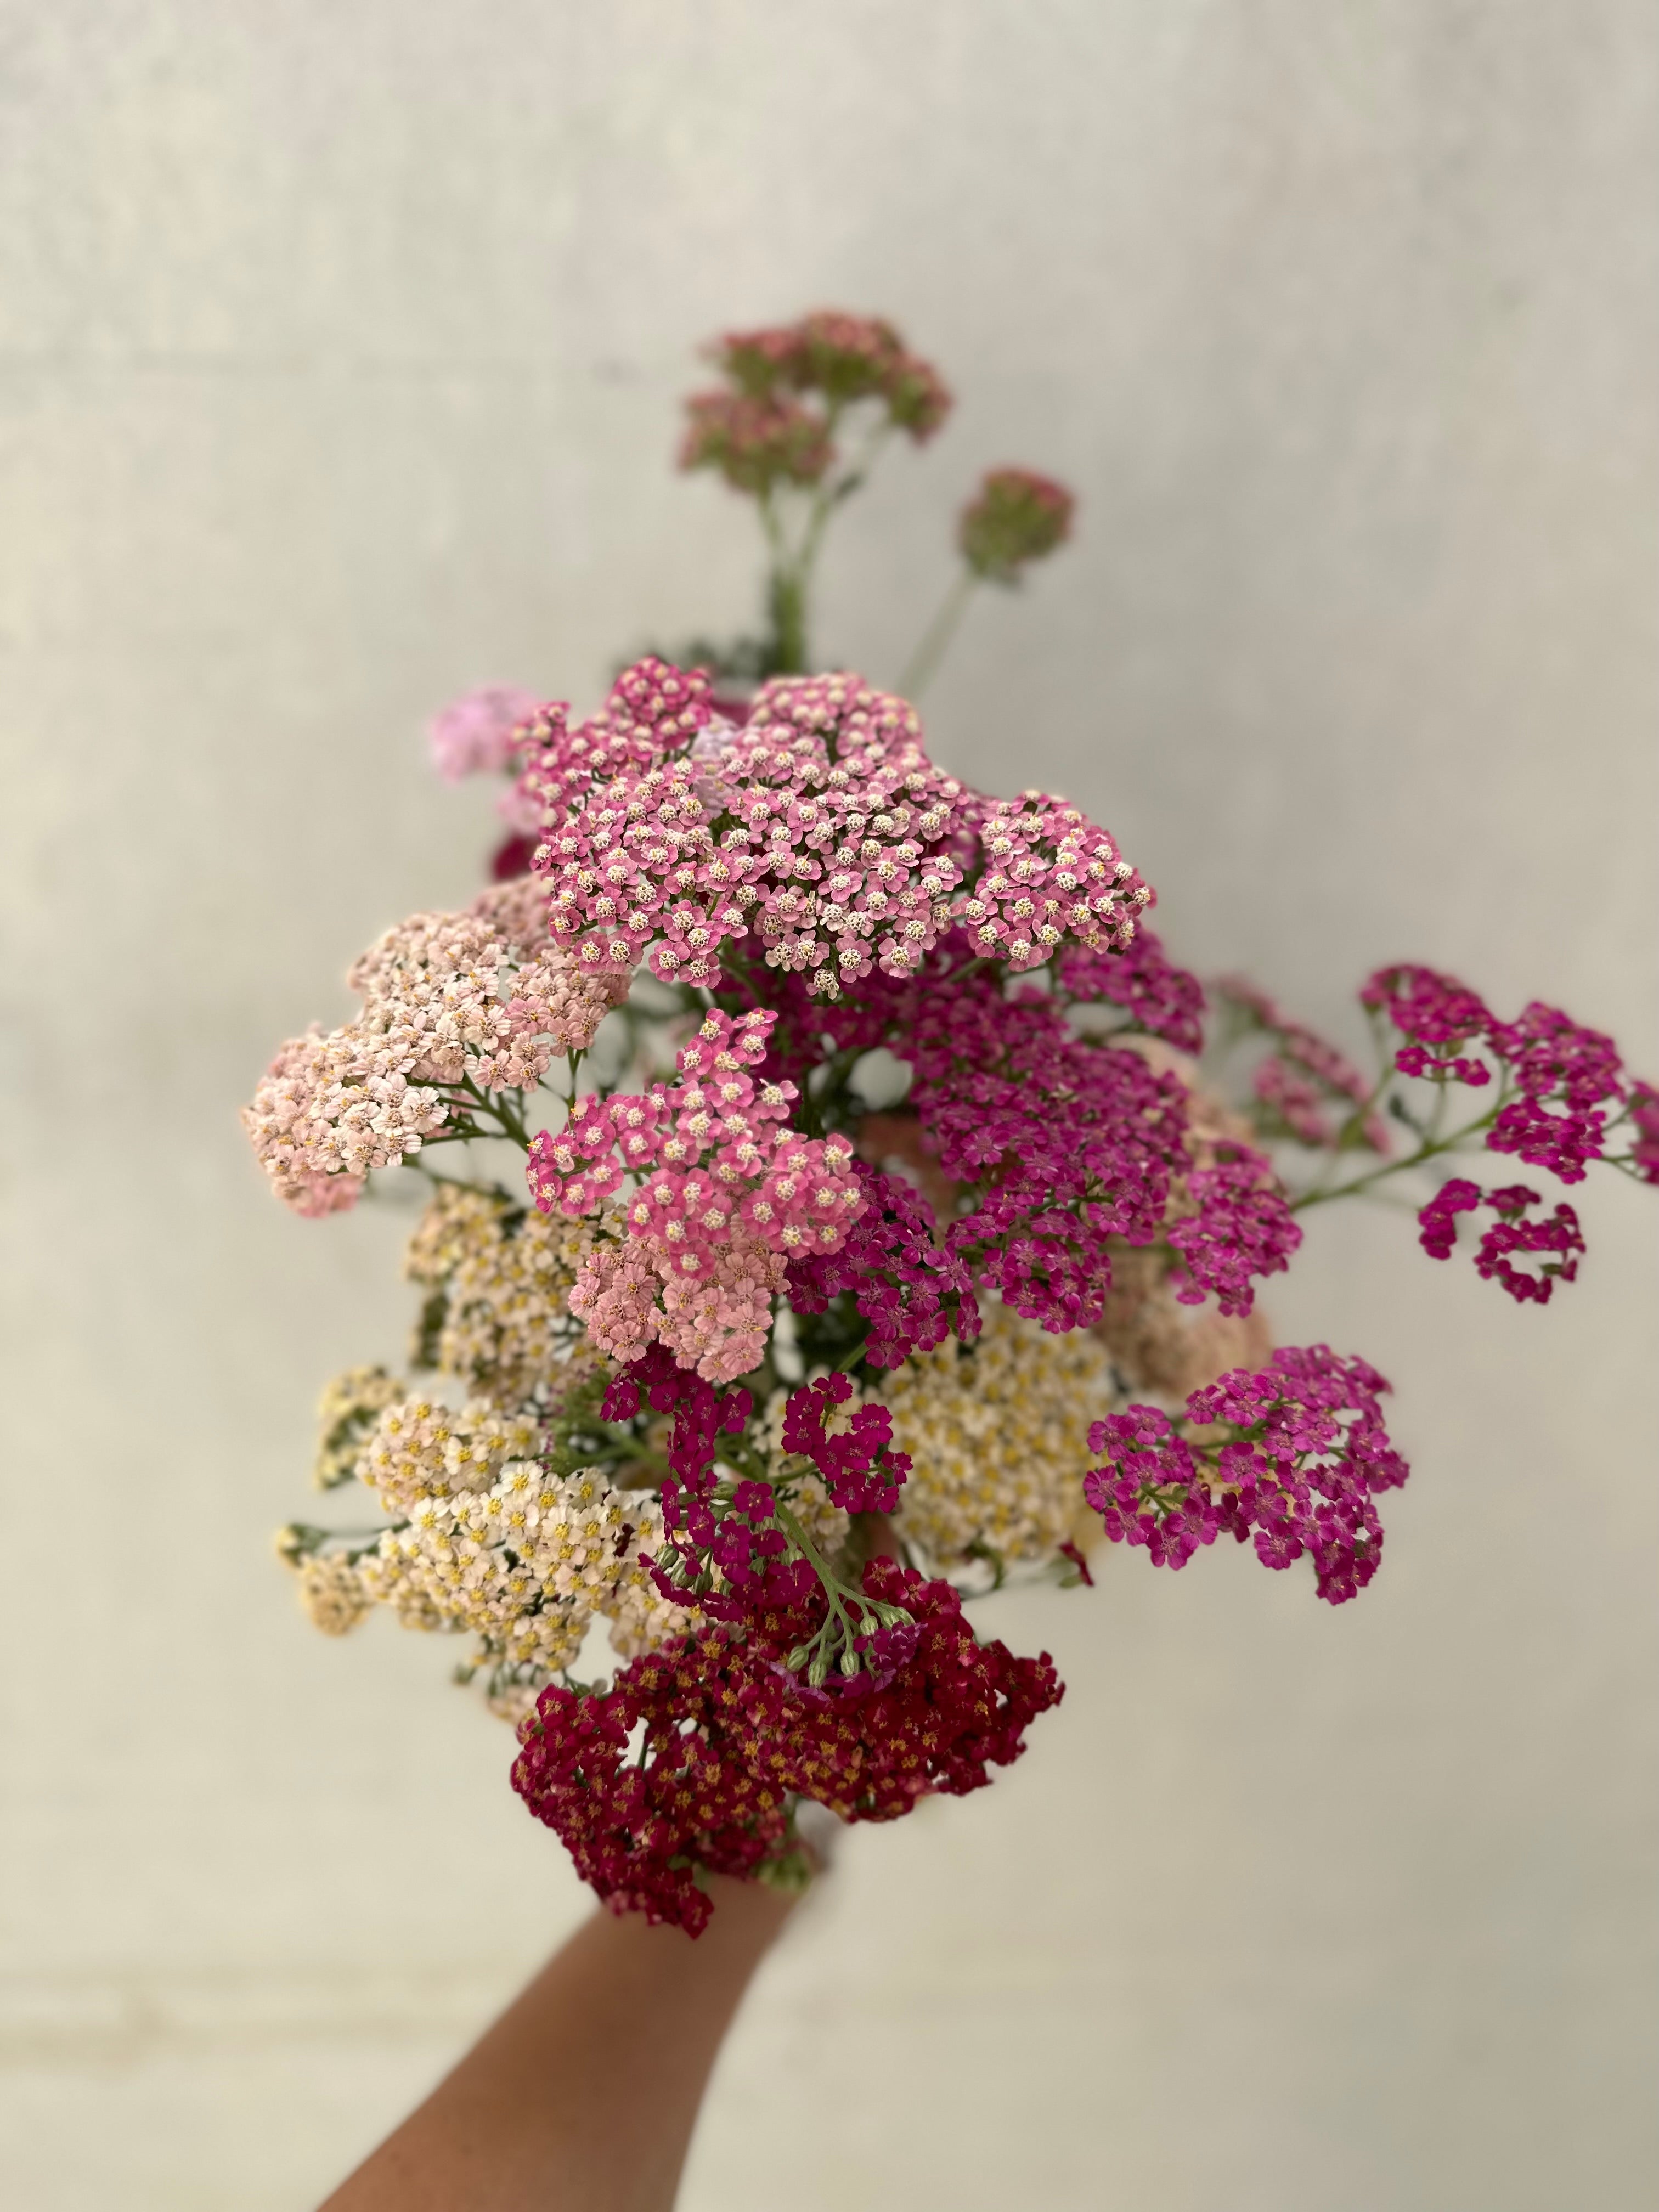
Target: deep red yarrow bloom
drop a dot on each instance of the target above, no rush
(729, 1734)
(1304, 1451)
(861, 1474)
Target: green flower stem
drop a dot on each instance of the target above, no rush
(1430, 1148)
(834, 1589)
(923, 664)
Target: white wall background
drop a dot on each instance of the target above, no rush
(341, 346)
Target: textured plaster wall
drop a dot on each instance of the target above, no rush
(338, 349)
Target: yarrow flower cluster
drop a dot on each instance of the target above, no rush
(1018, 1403)
(452, 1004)
(1015, 518)
(1050, 874)
(1303, 1079)
(731, 1735)
(876, 1212)
(724, 1193)
(820, 828)
(474, 734)
(841, 359)
(1290, 1458)
(1557, 1234)
(1159, 999)
(1067, 1148)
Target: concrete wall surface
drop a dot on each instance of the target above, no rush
(339, 354)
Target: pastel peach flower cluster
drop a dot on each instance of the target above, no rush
(448, 1000)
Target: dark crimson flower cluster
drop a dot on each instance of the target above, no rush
(727, 1733)
(728, 1552)
(861, 1474)
(1301, 1449)
(729, 1558)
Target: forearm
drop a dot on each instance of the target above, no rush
(552, 2107)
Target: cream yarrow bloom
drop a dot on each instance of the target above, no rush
(346, 1412)
(420, 1448)
(527, 1564)
(333, 1593)
(501, 1276)
(998, 1435)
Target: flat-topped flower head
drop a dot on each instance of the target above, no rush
(844, 358)
(1047, 874)
(820, 830)
(1289, 1456)
(755, 441)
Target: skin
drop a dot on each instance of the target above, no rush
(539, 2116)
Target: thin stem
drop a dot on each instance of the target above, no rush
(935, 639)
(1426, 1151)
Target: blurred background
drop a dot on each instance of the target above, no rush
(341, 355)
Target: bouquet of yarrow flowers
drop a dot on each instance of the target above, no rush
(878, 1236)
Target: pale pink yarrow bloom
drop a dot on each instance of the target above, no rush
(473, 735)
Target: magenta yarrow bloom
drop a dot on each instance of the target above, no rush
(1550, 1056)
(1558, 1233)
(1564, 1072)
(1160, 998)
(912, 1292)
(1644, 1118)
(1426, 1006)
(1067, 1144)
(1302, 1451)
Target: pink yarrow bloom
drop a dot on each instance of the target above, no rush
(726, 1193)
(474, 734)
(820, 830)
